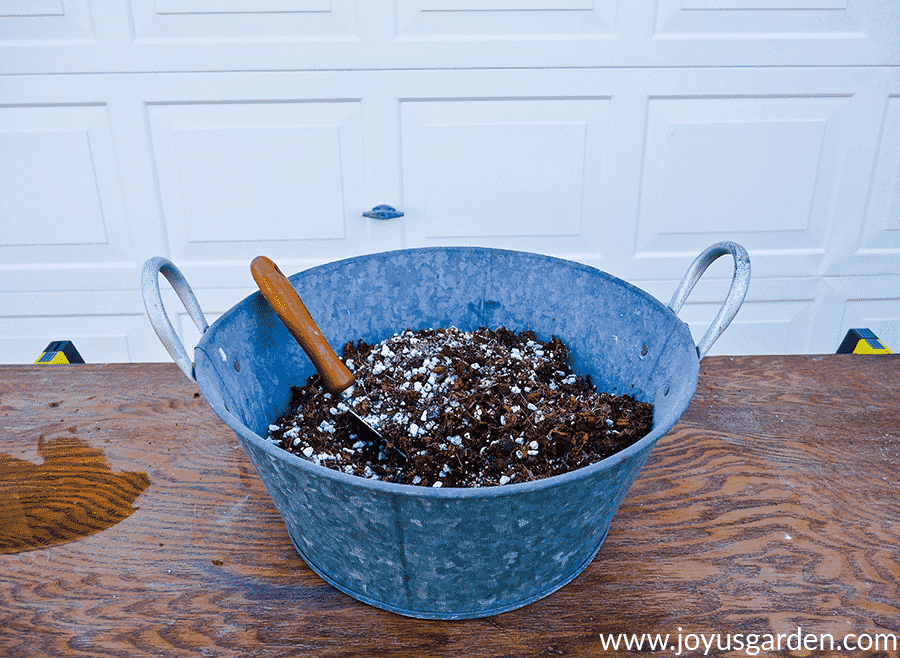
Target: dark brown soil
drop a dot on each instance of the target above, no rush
(461, 409)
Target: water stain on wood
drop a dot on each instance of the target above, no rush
(73, 494)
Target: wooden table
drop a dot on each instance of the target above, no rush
(773, 504)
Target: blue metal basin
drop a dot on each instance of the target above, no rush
(450, 553)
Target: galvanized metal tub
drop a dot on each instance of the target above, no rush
(449, 553)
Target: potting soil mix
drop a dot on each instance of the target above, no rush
(461, 409)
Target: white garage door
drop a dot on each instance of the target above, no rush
(626, 135)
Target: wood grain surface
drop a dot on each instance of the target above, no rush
(774, 503)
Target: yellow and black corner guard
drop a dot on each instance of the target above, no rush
(59, 351)
(862, 341)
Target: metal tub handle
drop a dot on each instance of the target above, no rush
(157, 312)
(739, 284)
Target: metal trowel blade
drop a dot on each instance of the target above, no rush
(366, 430)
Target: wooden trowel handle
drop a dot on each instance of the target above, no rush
(287, 305)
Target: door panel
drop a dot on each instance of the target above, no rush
(235, 177)
(521, 172)
(759, 169)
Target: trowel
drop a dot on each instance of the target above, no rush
(335, 375)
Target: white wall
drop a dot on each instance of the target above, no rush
(626, 135)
